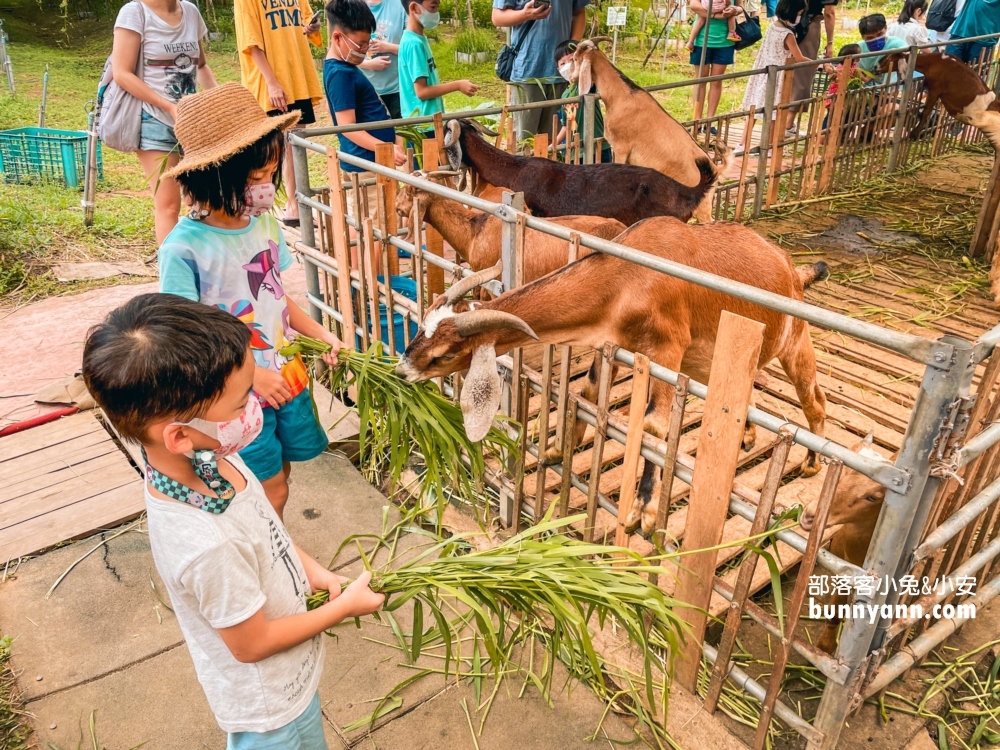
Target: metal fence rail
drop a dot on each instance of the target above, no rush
(925, 510)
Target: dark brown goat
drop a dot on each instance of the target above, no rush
(614, 191)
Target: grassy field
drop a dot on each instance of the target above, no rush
(43, 224)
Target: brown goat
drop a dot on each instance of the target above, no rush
(603, 298)
(856, 506)
(475, 235)
(957, 86)
(639, 130)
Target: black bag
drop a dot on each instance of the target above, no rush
(749, 31)
(801, 29)
(508, 54)
(941, 15)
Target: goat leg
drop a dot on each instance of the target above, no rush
(588, 393)
(799, 363)
(929, 104)
(657, 423)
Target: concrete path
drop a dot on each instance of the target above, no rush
(106, 642)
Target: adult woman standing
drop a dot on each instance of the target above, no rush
(910, 26)
(162, 39)
(719, 55)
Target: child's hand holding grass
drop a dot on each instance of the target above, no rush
(336, 345)
(358, 599)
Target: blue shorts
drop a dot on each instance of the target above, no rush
(290, 433)
(156, 135)
(304, 733)
(968, 52)
(714, 55)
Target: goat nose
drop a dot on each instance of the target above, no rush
(807, 520)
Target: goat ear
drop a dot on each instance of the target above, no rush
(584, 79)
(480, 397)
(453, 150)
(461, 180)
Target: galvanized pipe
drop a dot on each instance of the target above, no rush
(755, 690)
(973, 565)
(922, 350)
(300, 164)
(958, 521)
(919, 647)
(988, 341)
(883, 473)
(979, 444)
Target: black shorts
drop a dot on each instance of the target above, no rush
(305, 106)
(391, 102)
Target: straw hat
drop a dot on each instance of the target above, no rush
(213, 125)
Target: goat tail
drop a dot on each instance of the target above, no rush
(813, 273)
(709, 174)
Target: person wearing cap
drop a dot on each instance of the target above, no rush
(229, 252)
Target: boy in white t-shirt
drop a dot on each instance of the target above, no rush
(176, 376)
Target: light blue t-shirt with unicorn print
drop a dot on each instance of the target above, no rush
(238, 270)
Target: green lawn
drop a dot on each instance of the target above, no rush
(40, 225)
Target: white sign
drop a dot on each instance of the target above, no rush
(616, 15)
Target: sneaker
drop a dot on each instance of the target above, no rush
(739, 150)
(711, 130)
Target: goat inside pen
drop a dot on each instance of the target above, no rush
(855, 368)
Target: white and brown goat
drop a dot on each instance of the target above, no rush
(475, 235)
(603, 298)
(855, 508)
(639, 130)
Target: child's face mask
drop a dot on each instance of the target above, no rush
(355, 55)
(234, 435)
(259, 198)
(877, 44)
(565, 70)
(429, 20)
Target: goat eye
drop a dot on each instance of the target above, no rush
(873, 498)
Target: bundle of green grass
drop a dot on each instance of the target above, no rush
(400, 419)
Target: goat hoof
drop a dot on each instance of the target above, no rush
(633, 526)
(810, 467)
(551, 457)
(748, 442)
(827, 643)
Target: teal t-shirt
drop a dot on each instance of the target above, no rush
(390, 22)
(416, 61)
(977, 18)
(869, 63)
(718, 33)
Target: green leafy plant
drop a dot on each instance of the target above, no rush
(399, 419)
(472, 40)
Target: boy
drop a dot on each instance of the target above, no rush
(420, 90)
(571, 115)
(382, 65)
(873, 31)
(277, 66)
(350, 94)
(175, 376)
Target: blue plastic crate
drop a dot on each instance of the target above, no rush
(44, 154)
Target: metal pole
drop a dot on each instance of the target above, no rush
(589, 109)
(890, 545)
(765, 139)
(703, 97)
(903, 115)
(90, 168)
(508, 241)
(45, 94)
(300, 162)
(5, 59)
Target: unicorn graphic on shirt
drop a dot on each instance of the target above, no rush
(263, 273)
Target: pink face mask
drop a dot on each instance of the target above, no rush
(234, 435)
(259, 198)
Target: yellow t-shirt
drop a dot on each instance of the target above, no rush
(276, 27)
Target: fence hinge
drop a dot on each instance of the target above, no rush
(944, 458)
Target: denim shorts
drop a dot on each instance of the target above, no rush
(290, 433)
(303, 733)
(714, 55)
(156, 135)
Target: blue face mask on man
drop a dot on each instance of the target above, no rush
(877, 44)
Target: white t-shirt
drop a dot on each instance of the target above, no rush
(912, 32)
(219, 570)
(169, 53)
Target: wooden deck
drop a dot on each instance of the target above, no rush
(60, 481)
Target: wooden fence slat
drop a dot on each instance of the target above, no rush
(836, 125)
(385, 154)
(433, 241)
(600, 435)
(741, 591)
(543, 428)
(806, 567)
(341, 250)
(633, 443)
(730, 386)
(670, 460)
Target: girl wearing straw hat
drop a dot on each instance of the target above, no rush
(229, 252)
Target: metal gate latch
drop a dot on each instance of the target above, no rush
(944, 458)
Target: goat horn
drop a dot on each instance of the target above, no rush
(478, 321)
(457, 291)
(482, 128)
(441, 173)
(598, 39)
(454, 131)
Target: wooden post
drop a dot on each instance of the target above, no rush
(607, 356)
(542, 145)
(432, 238)
(633, 444)
(836, 124)
(747, 140)
(511, 136)
(730, 386)
(385, 154)
(988, 215)
(777, 136)
(341, 251)
(670, 461)
(371, 269)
